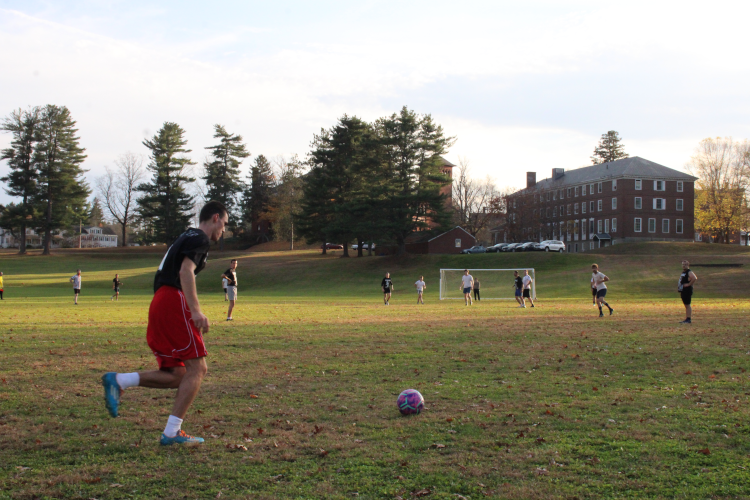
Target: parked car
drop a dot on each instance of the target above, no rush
(525, 247)
(552, 246)
(332, 246)
(509, 247)
(365, 246)
(475, 249)
(496, 248)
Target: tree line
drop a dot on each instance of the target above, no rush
(375, 182)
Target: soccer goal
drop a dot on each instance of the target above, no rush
(494, 284)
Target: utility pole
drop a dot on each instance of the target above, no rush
(80, 232)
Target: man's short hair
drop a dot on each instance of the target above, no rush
(595, 265)
(466, 270)
(210, 209)
(233, 260)
(686, 262)
(515, 272)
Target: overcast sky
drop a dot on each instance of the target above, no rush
(524, 86)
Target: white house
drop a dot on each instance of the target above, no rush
(95, 237)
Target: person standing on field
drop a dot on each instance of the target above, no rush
(176, 326)
(76, 280)
(420, 285)
(1, 286)
(601, 289)
(518, 285)
(526, 280)
(231, 276)
(467, 284)
(387, 286)
(116, 287)
(476, 290)
(224, 283)
(685, 287)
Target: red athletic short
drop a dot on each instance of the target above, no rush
(171, 334)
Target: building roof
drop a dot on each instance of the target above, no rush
(105, 230)
(634, 167)
(446, 163)
(457, 227)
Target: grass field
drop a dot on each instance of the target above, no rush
(550, 402)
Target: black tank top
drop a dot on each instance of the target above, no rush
(685, 277)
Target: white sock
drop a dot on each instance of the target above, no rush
(126, 380)
(173, 426)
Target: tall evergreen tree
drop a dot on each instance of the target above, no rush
(61, 190)
(256, 201)
(413, 146)
(337, 194)
(285, 203)
(22, 179)
(610, 148)
(165, 201)
(96, 216)
(223, 171)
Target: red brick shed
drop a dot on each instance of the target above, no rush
(452, 241)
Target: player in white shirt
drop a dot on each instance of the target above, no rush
(527, 289)
(76, 280)
(467, 283)
(601, 289)
(420, 285)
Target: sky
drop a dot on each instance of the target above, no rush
(522, 86)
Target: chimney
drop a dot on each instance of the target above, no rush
(557, 173)
(530, 179)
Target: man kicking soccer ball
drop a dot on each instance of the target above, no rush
(467, 283)
(601, 289)
(387, 286)
(175, 326)
(420, 285)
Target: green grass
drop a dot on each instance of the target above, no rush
(550, 402)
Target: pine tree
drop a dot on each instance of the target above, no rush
(610, 148)
(96, 216)
(22, 178)
(166, 203)
(413, 176)
(223, 171)
(285, 203)
(256, 201)
(61, 191)
(336, 198)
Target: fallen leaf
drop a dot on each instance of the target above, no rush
(93, 481)
(323, 452)
(260, 431)
(438, 446)
(595, 388)
(705, 451)
(253, 396)
(449, 420)
(115, 485)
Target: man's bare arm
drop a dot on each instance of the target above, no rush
(189, 290)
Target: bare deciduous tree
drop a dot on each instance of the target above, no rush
(474, 201)
(287, 198)
(117, 190)
(721, 196)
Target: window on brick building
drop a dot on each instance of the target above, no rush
(614, 203)
(614, 225)
(660, 204)
(679, 205)
(614, 185)
(665, 226)
(658, 185)
(458, 243)
(598, 187)
(583, 190)
(591, 189)
(599, 205)
(678, 226)
(578, 191)
(591, 206)
(583, 207)
(554, 212)
(575, 208)
(679, 186)
(568, 211)
(637, 225)
(568, 192)
(638, 185)
(591, 226)
(638, 203)
(652, 225)
(599, 226)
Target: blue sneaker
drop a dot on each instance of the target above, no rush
(180, 438)
(111, 393)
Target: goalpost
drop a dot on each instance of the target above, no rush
(495, 284)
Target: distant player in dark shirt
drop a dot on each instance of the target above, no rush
(116, 287)
(176, 326)
(387, 286)
(518, 284)
(231, 276)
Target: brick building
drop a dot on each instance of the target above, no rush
(632, 199)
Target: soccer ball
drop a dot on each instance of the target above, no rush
(410, 402)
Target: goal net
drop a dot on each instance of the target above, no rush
(494, 284)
